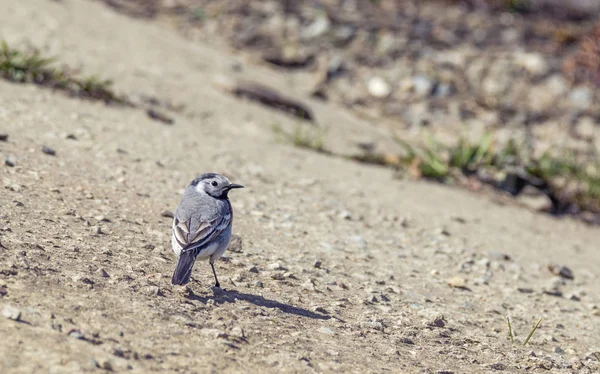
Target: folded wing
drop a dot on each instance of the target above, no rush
(194, 235)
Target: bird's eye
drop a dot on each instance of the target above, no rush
(214, 183)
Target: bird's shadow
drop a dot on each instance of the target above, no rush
(221, 296)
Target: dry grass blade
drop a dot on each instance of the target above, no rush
(510, 330)
(532, 331)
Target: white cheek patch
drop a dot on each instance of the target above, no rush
(200, 188)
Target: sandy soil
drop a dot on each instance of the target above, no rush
(341, 267)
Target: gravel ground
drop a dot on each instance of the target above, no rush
(339, 267)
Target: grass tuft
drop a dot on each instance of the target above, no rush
(30, 67)
(303, 137)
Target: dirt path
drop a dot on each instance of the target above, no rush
(342, 268)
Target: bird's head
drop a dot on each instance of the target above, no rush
(215, 185)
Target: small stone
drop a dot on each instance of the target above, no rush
(317, 264)
(76, 333)
(167, 213)
(525, 290)
(10, 161)
(499, 255)
(554, 287)
(238, 332)
(497, 366)
(581, 97)
(49, 151)
(276, 266)
(437, 321)
(561, 271)
(107, 365)
(559, 350)
(3, 137)
(345, 215)
(406, 340)
(278, 276)
(253, 269)
(319, 27)
(378, 87)
(258, 284)
(342, 285)
(375, 325)
(457, 282)
(320, 309)
(12, 312)
(3, 289)
(534, 63)
(422, 85)
(102, 273)
(157, 115)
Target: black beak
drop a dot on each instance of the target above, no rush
(233, 185)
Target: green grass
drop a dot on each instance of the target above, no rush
(30, 67)
(569, 179)
(303, 137)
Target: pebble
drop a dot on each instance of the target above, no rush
(554, 288)
(374, 325)
(497, 366)
(276, 266)
(345, 215)
(405, 340)
(3, 137)
(238, 332)
(326, 330)
(102, 273)
(457, 282)
(561, 271)
(437, 321)
(319, 27)
(49, 151)
(525, 290)
(258, 284)
(378, 88)
(167, 213)
(422, 85)
(253, 269)
(317, 264)
(581, 97)
(534, 63)
(11, 312)
(107, 365)
(10, 161)
(278, 275)
(77, 334)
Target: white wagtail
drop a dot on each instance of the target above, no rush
(202, 224)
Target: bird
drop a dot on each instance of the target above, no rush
(202, 224)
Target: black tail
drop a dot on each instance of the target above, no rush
(183, 272)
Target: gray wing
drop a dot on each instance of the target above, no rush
(195, 231)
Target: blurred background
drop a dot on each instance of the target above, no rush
(487, 92)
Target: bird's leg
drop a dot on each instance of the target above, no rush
(212, 265)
